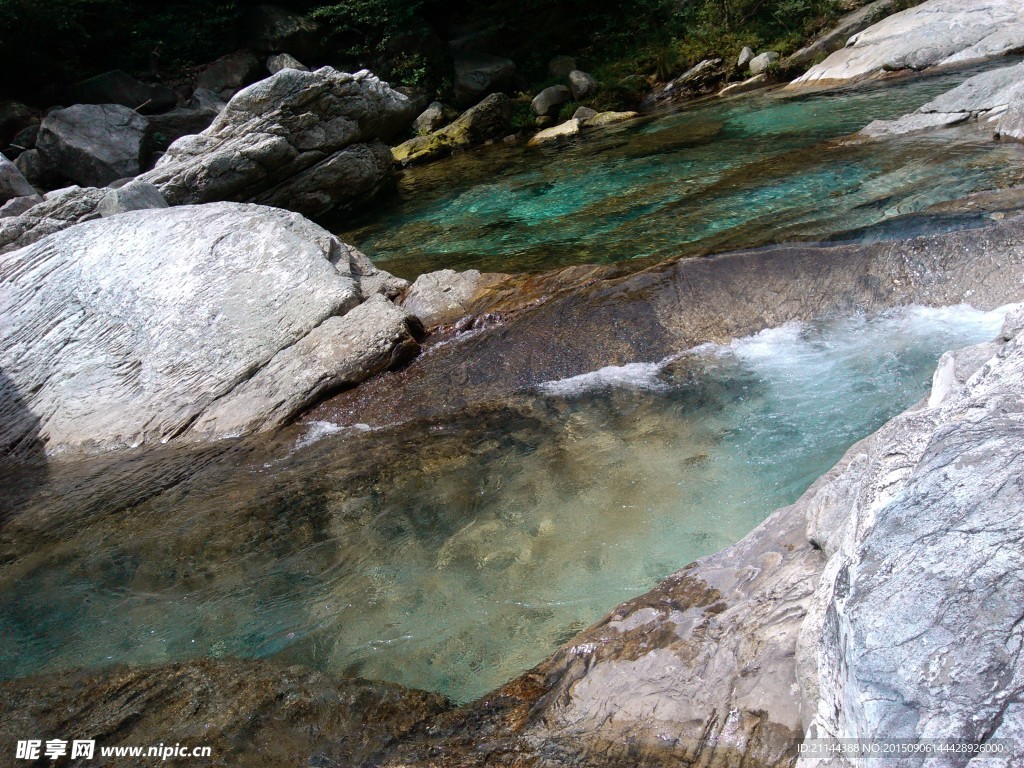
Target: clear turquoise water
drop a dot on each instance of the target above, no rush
(453, 556)
(724, 174)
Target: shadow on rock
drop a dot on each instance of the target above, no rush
(23, 464)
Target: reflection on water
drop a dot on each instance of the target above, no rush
(722, 175)
(452, 556)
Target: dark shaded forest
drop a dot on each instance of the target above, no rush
(45, 46)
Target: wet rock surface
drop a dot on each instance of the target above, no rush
(596, 317)
(151, 325)
(247, 712)
(721, 663)
(914, 630)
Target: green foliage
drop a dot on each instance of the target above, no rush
(523, 119)
(55, 42)
(567, 110)
(367, 25)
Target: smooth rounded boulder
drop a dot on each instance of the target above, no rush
(185, 324)
(550, 100)
(583, 85)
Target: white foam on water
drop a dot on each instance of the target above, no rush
(799, 350)
(642, 376)
(318, 430)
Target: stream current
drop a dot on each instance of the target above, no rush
(451, 556)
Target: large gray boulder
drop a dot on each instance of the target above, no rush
(583, 85)
(94, 144)
(914, 629)
(487, 120)
(550, 100)
(836, 37)
(478, 75)
(431, 119)
(934, 33)
(307, 141)
(762, 62)
(444, 297)
(189, 323)
(12, 183)
(15, 117)
(983, 97)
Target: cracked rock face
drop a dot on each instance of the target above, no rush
(311, 142)
(188, 322)
(915, 629)
(934, 33)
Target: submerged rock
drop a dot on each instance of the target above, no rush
(820, 622)
(255, 713)
(934, 33)
(311, 142)
(186, 323)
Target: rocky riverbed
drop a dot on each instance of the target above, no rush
(168, 345)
